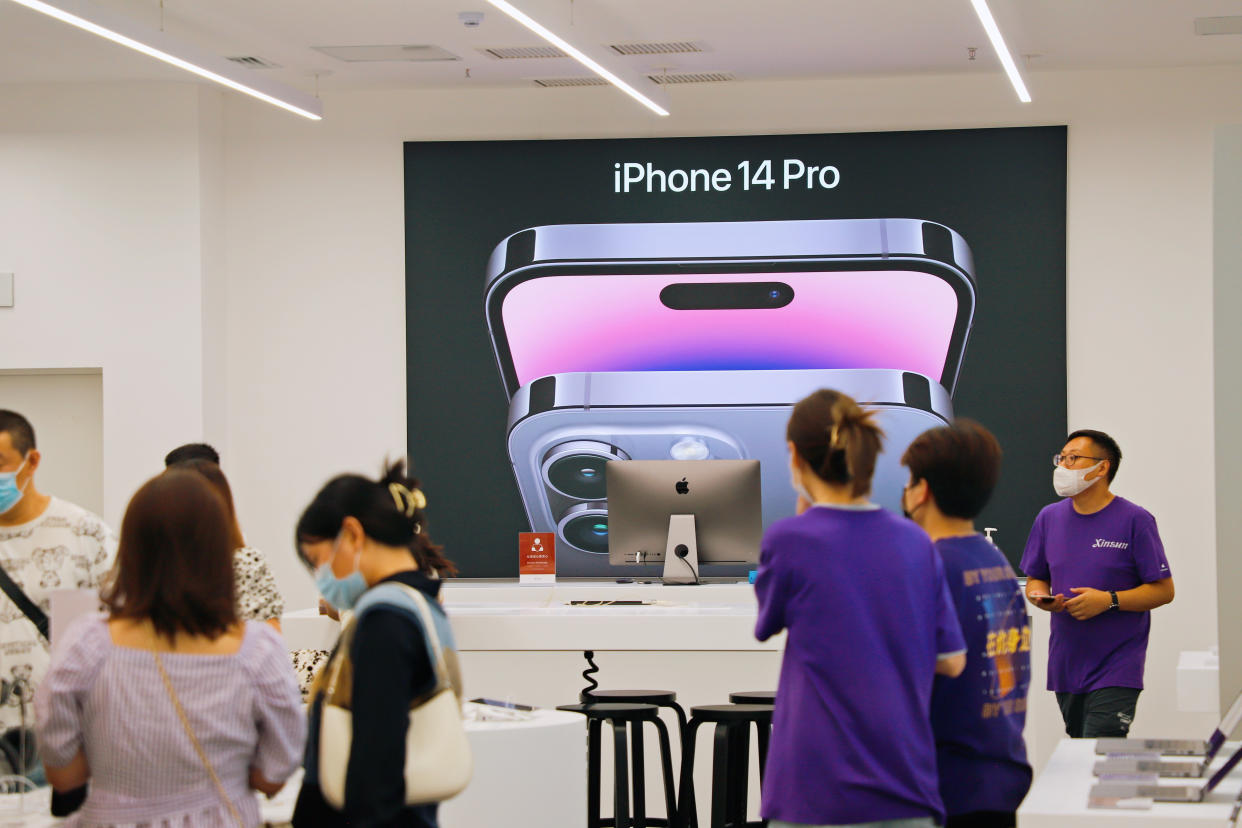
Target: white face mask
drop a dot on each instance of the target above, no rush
(1069, 482)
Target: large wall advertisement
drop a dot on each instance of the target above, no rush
(572, 302)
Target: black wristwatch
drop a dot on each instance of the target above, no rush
(1114, 605)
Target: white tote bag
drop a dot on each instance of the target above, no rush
(438, 763)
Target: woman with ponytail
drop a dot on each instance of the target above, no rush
(870, 621)
(366, 542)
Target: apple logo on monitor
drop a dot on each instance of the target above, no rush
(683, 487)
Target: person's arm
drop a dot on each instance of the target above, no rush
(951, 664)
(279, 718)
(1089, 602)
(1036, 587)
(770, 592)
(1038, 574)
(950, 642)
(70, 776)
(60, 702)
(391, 668)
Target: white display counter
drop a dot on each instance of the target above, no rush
(525, 644)
(1058, 798)
(523, 773)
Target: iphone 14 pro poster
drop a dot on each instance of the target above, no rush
(574, 302)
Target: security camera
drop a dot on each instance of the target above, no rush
(471, 20)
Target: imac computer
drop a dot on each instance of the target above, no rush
(683, 513)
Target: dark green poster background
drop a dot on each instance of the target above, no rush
(1003, 190)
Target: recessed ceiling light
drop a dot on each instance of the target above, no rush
(91, 18)
(577, 54)
(1002, 51)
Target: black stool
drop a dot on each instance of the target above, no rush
(660, 698)
(730, 760)
(636, 715)
(753, 697)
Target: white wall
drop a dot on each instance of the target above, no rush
(99, 220)
(68, 407)
(116, 225)
(1227, 307)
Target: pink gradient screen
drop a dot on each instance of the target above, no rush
(838, 319)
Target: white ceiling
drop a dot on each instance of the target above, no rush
(751, 39)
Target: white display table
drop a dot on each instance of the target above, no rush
(525, 773)
(525, 644)
(1058, 799)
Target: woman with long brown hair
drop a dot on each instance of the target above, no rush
(172, 708)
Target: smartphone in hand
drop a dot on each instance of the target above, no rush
(1043, 599)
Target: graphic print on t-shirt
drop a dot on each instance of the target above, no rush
(1008, 634)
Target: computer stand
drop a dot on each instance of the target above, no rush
(681, 552)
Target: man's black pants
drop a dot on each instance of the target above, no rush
(1105, 712)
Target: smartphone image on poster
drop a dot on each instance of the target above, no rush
(760, 295)
(565, 428)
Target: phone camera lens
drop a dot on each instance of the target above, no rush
(585, 527)
(576, 469)
(774, 294)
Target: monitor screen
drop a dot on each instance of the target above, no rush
(723, 496)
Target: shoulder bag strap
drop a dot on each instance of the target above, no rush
(198, 748)
(31, 610)
(429, 631)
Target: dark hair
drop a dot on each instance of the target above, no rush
(1106, 444)
(192, 451)
(837, 438)
(384, 509)
(215, 476)
(21, 432)
(961, 464)
(174, 563)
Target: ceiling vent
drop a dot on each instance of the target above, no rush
(254, 62)
(392, 54)
(1218, 25)
(555, 82)
(672, 47)
(692, 77)
(524, 52)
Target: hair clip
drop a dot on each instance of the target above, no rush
(408, 501)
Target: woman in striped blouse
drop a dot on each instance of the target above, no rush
(172, 709)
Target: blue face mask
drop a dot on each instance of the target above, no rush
(10, 494)
(341, 593)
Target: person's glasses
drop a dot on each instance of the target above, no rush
(1070, 459)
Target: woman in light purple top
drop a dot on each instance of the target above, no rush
(173, 710)
(863, 596)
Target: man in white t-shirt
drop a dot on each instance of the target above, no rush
(45, 544)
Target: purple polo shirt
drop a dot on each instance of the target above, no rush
(863, 596)
(1116, 548)
(977, 717)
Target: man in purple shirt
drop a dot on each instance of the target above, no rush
(977, 717)
(1096, 562)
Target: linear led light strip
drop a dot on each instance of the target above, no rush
(1002, 51)
(577, 55)
(211, 67)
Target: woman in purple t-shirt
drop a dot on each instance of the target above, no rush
(870, 620)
